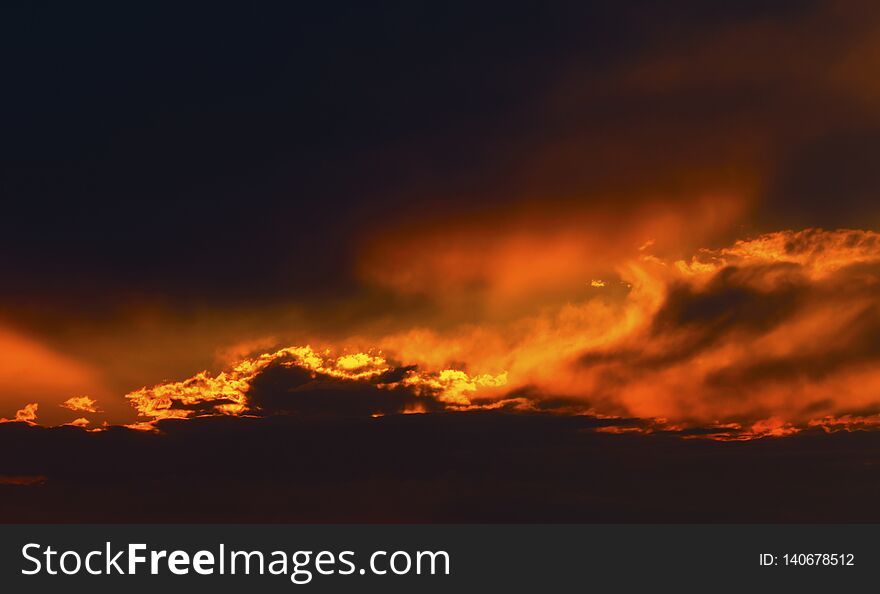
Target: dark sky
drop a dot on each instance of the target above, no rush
(162, 153)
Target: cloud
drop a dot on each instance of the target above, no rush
(781, 326)
(22, 480)
(466, 466)
(305, 381)
(80, 403)
(28, 415)
(31, 370)
(79, 422)
(506, 260)
(764, 336)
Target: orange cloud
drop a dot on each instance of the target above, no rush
(80, 403)
(763, 337)
(228, 392)
(778, 327)
(30, 370)
(79, 422)
(768, 334)
(505, 260)
(28, 414)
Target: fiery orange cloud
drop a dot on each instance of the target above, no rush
(778, 327)
(79, 422)
(80, 403)
(31, 370)
(762, 337)
(518, 258)
(227, 392)
(769, 333)
(28, 414)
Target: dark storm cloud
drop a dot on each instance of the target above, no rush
(831, 181)
(731, 301)
(698, 318)
(858, 345)
(293, 390)
(461, 467)
(153, 153)
(200, 408)
(158, 151)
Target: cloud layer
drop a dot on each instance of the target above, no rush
(477, 466)
(766, 336)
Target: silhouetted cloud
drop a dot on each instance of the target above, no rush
(293, 390)
(481, 466)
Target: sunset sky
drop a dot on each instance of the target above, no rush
(658, 216)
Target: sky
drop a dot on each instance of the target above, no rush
(663, 217)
